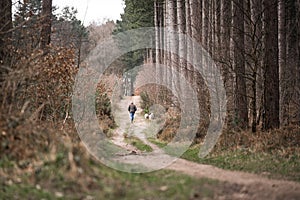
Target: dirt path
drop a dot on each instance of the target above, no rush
(239, 185)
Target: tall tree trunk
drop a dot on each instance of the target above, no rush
(171, 78)
(218, 29)
(196, 17)
(241, 106)
(181, 24)
(282, 64)
(167, 54)
(250, 67)
(158, 23)
(164, 38)
(157, 44)
(291, 61)
(157, 31)
(189, 45)
(226, 18)
(46, 23)
(161, 16)
(205, 29)
(256, 35)
(298, 64)
(211, 26)
(5, 31)
(198, 22)
(271, 66)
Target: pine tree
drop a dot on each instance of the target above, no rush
(241, 106)
(137, 14)
(271, 66)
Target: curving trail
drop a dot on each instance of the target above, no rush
(240, 185)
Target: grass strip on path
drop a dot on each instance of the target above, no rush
(138, 143)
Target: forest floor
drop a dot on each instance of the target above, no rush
(241, 185)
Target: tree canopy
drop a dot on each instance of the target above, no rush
(137, 14)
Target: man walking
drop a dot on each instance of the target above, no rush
(132, 109)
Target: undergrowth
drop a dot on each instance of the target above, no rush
(274, 154)
(266, 164)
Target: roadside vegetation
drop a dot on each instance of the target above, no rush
(56, 176)
(273, 155)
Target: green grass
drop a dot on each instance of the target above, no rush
(271, 165)
(159, 143)
(100, 182)
(139, 144)
(170, 149)
(21, 191)
(274, 166)
(158, 185)
(6, 163)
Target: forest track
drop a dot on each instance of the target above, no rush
(241, 185)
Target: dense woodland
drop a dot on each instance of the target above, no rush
(255, 45)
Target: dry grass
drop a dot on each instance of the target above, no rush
(284, 141)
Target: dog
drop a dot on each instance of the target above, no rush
(149, 116)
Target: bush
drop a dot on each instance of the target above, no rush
(40, 84)
(104, 109)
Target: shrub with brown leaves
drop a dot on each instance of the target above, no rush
(40, 84)
(37, 89)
